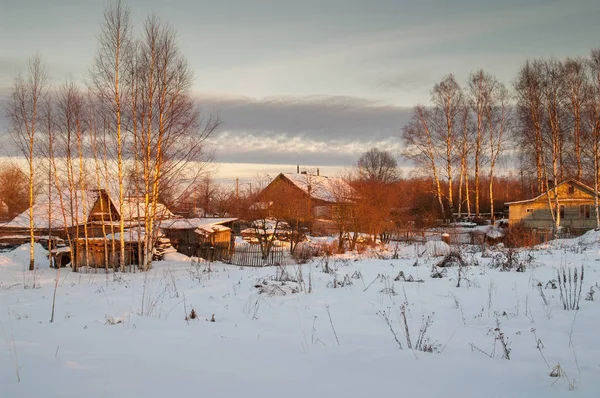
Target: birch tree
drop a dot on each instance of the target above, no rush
(481, 86)
(593, 122)
(107, 73)
(528, 90)
(447, 100)
(420, 147)
(70, 126)
(553, 103)
(576, 86)
(172, 131)
(499, 119)
(465, 149)
(23, 111)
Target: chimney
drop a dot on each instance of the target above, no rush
(297, 169)
(318, 174)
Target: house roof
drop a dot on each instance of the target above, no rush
(193, 223)
(569, 181)
(210, 229)
(85, 202)
(327, 189)
(78, 213)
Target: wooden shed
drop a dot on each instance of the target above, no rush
(99, 250)
(192, 236)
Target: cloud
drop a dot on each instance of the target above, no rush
(314, 130)
(316, 117)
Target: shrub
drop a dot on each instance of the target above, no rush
(518, 235)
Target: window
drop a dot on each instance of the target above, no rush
(562, 211)
(571, 189)
(585, 211)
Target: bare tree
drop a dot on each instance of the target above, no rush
(172, 132)
(593, 122)
(447, 100)
(23, 111)
(465, 149)
(499, 118)
(378, 166)
(481, 87)
(108, 71)
(69, 124)
(577, 90)
(553, 100)
(420, 147)
(528, 89)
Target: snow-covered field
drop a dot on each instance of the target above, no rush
(125, 335)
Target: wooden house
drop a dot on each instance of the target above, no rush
(576, 208)
(309, 198)
(86, 218)
(198, 236)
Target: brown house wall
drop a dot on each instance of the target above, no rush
(283, 189)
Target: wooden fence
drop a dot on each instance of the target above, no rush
(246, 255)
(456, 237)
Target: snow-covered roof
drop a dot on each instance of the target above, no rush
(82, 203)
(327, 189)
(210, 228)
(569, 181)
(193, 223)
(77, 208)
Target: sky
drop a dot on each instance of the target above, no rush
(311, 82)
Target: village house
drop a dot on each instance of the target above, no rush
(89, 219)
(576, 208)
(315, 199)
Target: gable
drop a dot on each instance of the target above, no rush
(103, 209)
(281, 187)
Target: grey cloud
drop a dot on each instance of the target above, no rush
(315, 117)
(321, 130)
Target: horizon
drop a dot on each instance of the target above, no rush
(293, 80)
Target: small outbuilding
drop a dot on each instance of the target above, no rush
(199, 236)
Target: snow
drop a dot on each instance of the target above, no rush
(327, 189)
(125, 335)
(193, 223)
(491, 231)
(20, 256)
(171, 256)
(436, 248)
